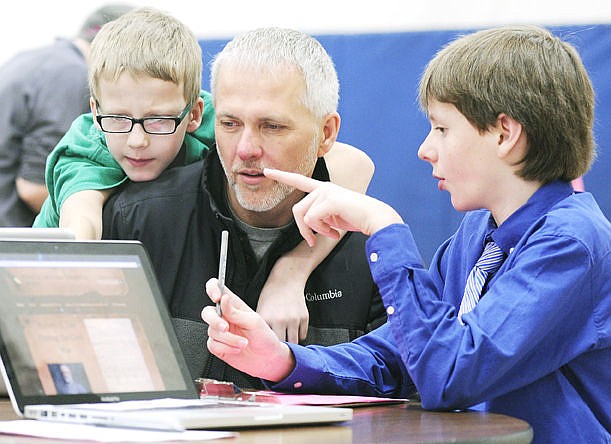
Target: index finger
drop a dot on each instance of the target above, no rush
(298, 181)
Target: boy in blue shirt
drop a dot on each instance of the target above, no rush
(511, 112)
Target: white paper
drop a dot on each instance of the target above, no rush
(56, 430)
(119, 355)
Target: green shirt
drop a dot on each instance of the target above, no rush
(81, 161)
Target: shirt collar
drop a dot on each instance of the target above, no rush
(511, 231)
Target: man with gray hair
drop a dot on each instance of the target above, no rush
(275, 94)
(42, 91)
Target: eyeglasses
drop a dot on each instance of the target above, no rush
(152, 125)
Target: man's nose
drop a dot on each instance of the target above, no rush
(249, 145)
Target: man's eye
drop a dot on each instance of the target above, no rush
(272, 126)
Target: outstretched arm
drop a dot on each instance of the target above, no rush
(281, 302)
(82, 213)
(370, 365)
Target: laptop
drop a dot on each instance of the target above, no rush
(28, 233)
(85, 337)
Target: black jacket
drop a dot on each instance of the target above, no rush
(179, 218)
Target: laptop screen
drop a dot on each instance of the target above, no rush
(86, 322)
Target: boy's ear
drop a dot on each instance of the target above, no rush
(94, 111)
(511, 136)
(329, 133)
(195, 115)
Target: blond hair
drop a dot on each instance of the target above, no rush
(147, 42)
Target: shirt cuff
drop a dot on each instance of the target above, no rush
(391, 247)
(307, 368)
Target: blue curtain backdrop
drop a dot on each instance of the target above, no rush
(379, 75)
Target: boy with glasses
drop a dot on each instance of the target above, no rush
(149, 114)
(275, 94)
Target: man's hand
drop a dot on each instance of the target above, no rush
(243, 339)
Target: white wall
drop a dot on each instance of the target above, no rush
(27, 24)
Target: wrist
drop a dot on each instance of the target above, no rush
(296, 264)
(384, 219)
(281, 365)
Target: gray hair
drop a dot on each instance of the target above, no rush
(268, 49)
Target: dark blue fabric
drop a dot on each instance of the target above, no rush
(379, 76)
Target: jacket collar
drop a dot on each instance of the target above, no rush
(214, 182)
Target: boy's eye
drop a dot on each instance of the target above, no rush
(158, 124)
(440, 129)
(228, 123)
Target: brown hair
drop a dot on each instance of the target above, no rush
(530, 75)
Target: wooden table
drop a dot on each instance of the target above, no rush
(397, 423)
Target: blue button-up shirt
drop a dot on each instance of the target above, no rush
(537, 346)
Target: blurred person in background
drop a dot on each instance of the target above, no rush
(42, 91)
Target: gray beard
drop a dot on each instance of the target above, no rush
(249, 200)
(266, 202)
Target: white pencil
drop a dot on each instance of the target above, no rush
(222, 267)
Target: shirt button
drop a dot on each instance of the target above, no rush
(373, 257)
(511, 250)
(390, 310)
(297, 385)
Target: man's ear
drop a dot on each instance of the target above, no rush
(195, 115)
(330, 130)
(511, 137)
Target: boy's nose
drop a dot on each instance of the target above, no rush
(138, 138)
(426, 151)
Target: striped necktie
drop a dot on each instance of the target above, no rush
(488, 263)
